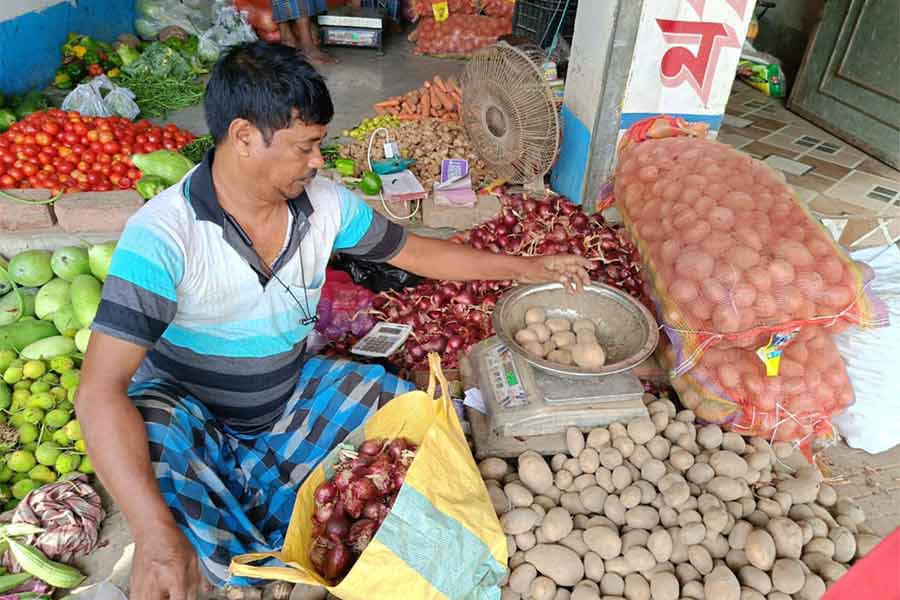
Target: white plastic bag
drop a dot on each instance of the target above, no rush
(230, 28)
(871, 422)
(89, 99)
(152, 16)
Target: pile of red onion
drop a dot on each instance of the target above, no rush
(450, 317)
(352, 505)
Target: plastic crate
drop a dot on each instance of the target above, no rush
(538, 20)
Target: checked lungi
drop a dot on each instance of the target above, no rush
(233, 493)
(289, 10)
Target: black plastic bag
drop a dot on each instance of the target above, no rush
(377, 277)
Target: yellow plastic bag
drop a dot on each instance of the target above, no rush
(441, 539)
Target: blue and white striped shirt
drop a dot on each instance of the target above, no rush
(186, 284)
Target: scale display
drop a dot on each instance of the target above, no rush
(522, 400)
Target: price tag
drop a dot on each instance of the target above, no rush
(770, 354)
(441, 11)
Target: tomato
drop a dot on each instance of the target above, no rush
(125, 183)
(88, 156)
(135, 174)
(170, 145)
(7, 157)
(126, 150)
(105, 136)
(48, 169)
(153, 138)
(115, 178)
(118, 168)
(70, 138)
(30, 149)
(15, 173)
(64, 151)
(80, 129)
(64, 167)
(42, 139)
(84, 186)
(96, 147)
(29, 170)
(51, 128)
(83, 166)
(7, 181)
(104, 158)
(93, 135)
(111, 147)
(19, 138)
(44, 158)
(104, 126)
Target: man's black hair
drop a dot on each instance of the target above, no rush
(268, 85)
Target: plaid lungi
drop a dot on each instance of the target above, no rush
(233, 493)
(288, 10)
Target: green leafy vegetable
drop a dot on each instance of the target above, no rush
(197, 149)
(158, 96)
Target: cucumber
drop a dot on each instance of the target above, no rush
(23, 333)
(47, 348)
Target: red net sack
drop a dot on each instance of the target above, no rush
(460, 34)
(498, 8)
(730, 387)
(455, 7)
(732, 256)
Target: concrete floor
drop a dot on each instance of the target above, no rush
(362, 78)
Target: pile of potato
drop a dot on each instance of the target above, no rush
(560, 340)
(662, 509)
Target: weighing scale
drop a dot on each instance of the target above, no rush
(346, 26)
(523, 400)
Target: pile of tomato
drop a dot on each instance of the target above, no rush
(71, 152)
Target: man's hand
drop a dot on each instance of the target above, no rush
(165, 567)
(568, 269)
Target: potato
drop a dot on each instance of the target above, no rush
(557, 524)
(639, 558)
(614, 510)
(572, 503)
(700, 558)
(535, 315)
(573, 466)
(518, 495)
(557, 325)
(583, 591)
(604, 541)
(710, 436)
(563, 339)
(641, 430)
(542, 588)
(642, 517)
(589, 460)
(589, 356)
(583, 482)
(664, 586)
(660, 545)
(525, 541)
(562, 357)
(753, 577)
(813, 588)
(760, 549)
(610, 458)
(521, 577)
(593, 566)
(574, 441)
(493, 468)
(801, 491)
(534, 472)
(541, 331)
(584, 325)
(499, 500)
(612, 584)
(636, 587)
(557, 562)
(844, 544)
(621, 477)
(575, 542)
(598, 438)
(634, 537)
(534, 348)
(725, 488)
(788, 537)
(518, 520)
(525, 336)
(788, 576)
(563, 479)
(728, 464)
(721, 584)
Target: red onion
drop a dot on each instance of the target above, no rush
(325, 493)
(361, 533)
(337, 526)
(337, 562)
(317, 553)
(342, 480)
(396, 447)
(371, 447)
(380, 476)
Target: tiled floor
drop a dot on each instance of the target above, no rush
(815, 163)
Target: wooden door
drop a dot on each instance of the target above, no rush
(849, 82)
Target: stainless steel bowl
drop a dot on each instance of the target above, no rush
(625, 328)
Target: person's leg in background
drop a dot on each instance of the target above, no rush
(302, 30)
(286, 13)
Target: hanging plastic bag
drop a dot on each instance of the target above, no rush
(377, 277)
(100, 97)
(152, 16)
(230, 28)
(441, 539)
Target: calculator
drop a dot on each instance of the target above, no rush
(383, 340)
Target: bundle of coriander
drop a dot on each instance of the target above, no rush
(158, 96)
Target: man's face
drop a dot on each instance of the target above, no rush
(289, 163)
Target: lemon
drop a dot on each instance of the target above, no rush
(51, 378)
(7, 356)
(57, 418)
(6, 474)
(86, 467)
(28, 433)
(43, 400)
(67, 462)
(39, 387)
(61, 364)
(34, 369)
(23, 384)
(70, 379)
(59, 393)
(12, 375)
(33, 415)
(43, 474)
(79, 445)
(21, 488)
(19, 398)
(21, 461)
(73, 429)
(60, 437)
(47, 453)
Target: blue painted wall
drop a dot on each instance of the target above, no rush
(30, 43)
(567, 177)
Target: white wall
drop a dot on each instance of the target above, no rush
(594, 28)
(10, 9)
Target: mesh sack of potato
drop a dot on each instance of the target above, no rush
(460, 34)
(732, 256)
(730, 387)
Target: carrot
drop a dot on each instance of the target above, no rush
(387, 103)
(425, 105)
(454, 86)
(426, 84)
(408, 117)
(408, 108)
(445, 99)
(435, 99)
(440, 83)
